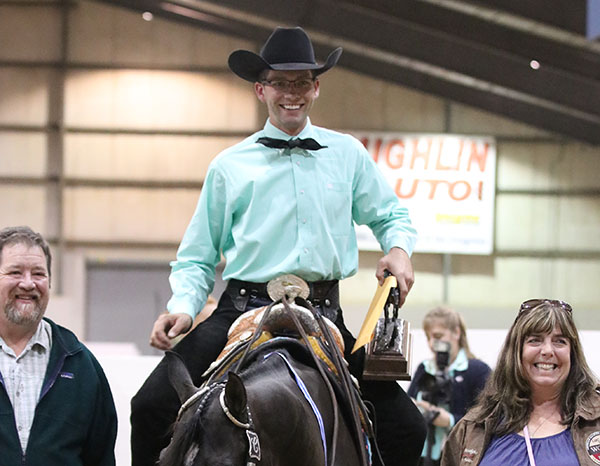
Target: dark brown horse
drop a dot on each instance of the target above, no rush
(277, 411)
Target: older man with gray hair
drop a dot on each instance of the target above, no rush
(55, 402)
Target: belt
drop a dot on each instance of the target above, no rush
(322, 294)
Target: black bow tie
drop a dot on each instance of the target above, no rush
(308, 143)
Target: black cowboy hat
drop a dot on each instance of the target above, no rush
(287, 49)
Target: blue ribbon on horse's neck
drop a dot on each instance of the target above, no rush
(306, 394)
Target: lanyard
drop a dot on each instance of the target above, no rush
(529, 449)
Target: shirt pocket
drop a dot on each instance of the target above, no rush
(338, 206)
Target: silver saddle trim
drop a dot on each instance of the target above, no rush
(289, 285)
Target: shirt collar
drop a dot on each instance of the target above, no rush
(272, 131)
(42, 338)
(460, 363)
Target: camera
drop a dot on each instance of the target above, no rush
(437, 389)
(442, 354)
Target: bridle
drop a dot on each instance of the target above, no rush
(253, 440)
(202, 395)
(231, 417)
(192, 399)
(340, 365)
(254, 450)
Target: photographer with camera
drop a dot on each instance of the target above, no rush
(445, 386)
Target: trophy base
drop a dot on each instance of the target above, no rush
(388, 354)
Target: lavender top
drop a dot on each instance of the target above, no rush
(511, 449)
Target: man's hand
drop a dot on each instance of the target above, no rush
(168, 326)
(399, 265)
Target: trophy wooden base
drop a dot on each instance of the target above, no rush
(389, 359)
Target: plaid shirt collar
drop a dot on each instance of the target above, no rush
(41, 340)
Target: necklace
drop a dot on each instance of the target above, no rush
(544, 419)
(539, 425)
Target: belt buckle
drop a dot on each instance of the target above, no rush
(288, 285)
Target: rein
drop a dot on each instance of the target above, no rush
(345, 378)
(339, 364)
(254, 452)
(344, 375)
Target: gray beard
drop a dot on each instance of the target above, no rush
(19, 318)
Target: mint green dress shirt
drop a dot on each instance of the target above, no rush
(277, 211)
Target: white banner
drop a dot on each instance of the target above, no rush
(448, 184)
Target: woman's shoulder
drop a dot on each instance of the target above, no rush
(478, 364)
(478, 367)
(590, 408)
(466, 439)
(415, 382)
(420, 371)
(474, 415)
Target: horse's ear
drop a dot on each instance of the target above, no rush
(179, 376)
(235, 395)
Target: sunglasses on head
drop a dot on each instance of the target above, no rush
(531, 303)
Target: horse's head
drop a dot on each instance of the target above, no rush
(214, 426)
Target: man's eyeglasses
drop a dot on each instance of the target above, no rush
(531, 303)
(283, 85)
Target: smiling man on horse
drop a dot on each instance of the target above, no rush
(282, 201)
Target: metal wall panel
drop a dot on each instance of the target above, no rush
(30, 32)
(127, 214)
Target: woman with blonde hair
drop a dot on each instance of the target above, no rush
(445, 386)
(541, 404)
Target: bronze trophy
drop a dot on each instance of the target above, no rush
(388, 338)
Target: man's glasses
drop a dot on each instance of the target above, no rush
(531, 303)
(283, 85)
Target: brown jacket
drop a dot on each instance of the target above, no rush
(469, 438)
